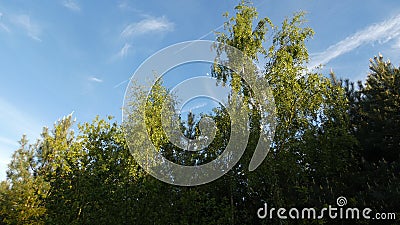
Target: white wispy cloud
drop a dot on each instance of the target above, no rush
(24, 22)
(124, 50)
(2, 25)
(95, 79)
(127, 6)
(192, 108)
(120, 83)
(380, 32)
(124, 5)
(159, 24)
(72, 5)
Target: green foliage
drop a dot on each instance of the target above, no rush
(374, 120)
(379, 126)
(23, 192)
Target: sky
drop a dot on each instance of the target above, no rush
(63, 56)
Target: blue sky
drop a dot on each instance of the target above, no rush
(63, 56)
